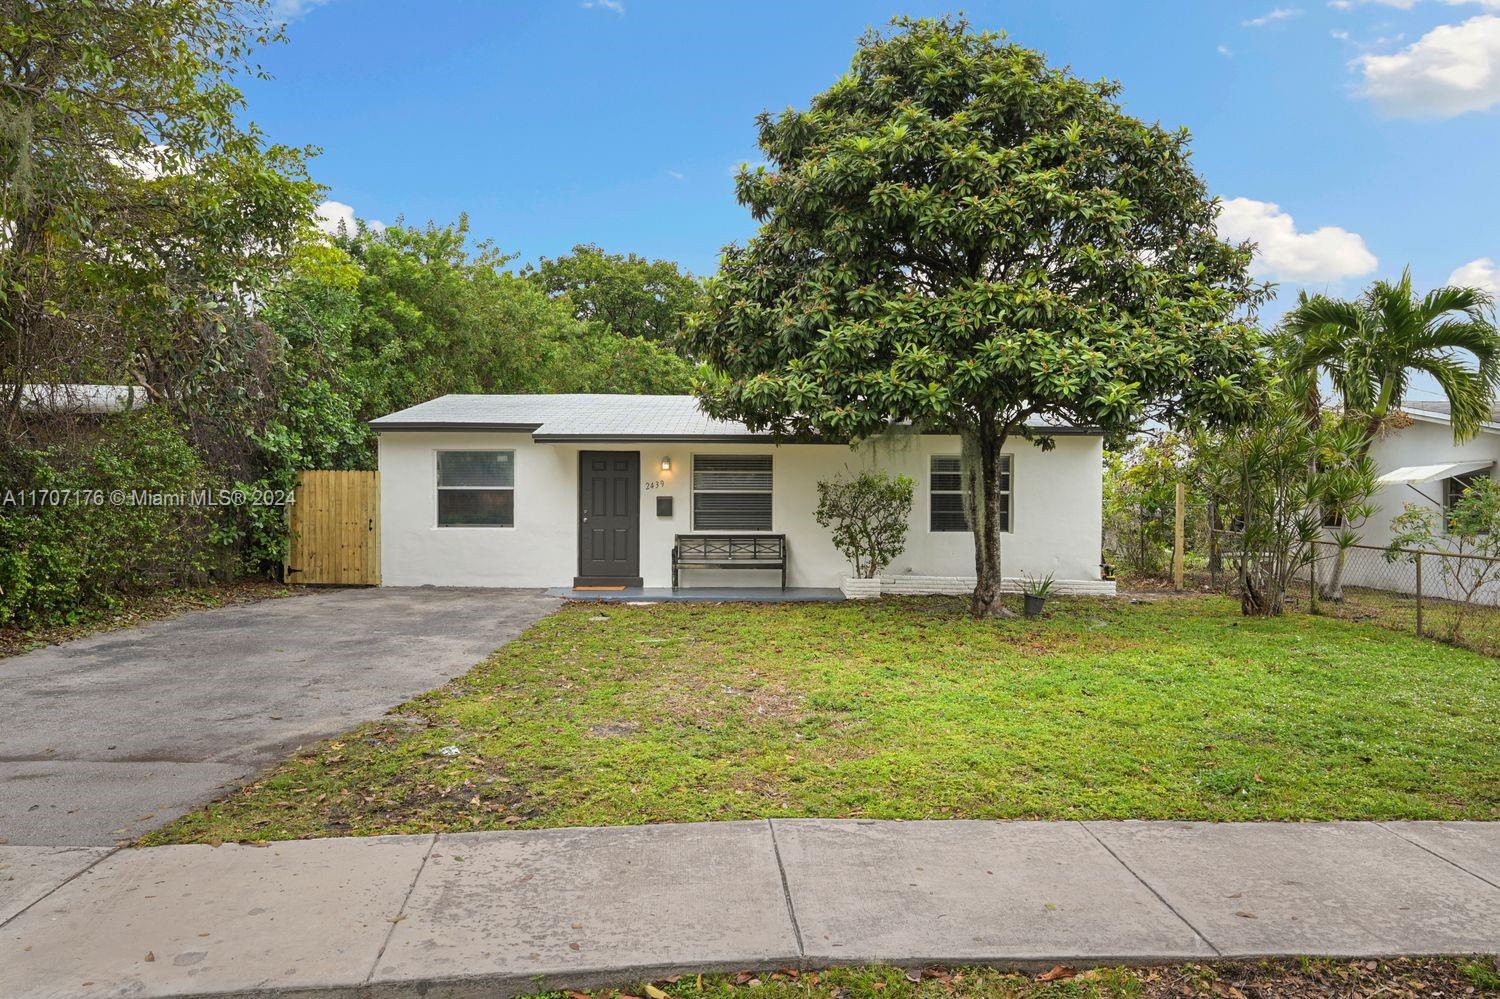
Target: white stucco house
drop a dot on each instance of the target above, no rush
(1420, 463)
(598, 491)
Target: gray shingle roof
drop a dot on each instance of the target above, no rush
(560, 418)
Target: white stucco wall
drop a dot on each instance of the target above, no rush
(1425, 442)
(1056, 518)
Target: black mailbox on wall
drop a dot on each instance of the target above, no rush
(664, 506)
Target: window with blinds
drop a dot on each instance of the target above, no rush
(731, 492)
(476, 488)
(945, 486)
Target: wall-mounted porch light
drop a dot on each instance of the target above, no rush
(666, 464)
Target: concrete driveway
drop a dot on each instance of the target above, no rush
(107, 737)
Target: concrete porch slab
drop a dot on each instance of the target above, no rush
(29, 872)
(704, 594)
(1015, 893)
(188, 920)
(507, 912)
(1337, 888)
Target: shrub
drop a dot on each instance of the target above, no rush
(869, 516)
(66, 550)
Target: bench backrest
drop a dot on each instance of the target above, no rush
(727, 547)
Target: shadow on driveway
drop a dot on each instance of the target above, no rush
(108, 737)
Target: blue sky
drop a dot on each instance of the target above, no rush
(1370, 124)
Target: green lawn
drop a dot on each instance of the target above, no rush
(1412, 976)
(1176, 708)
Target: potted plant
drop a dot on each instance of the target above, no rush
(1037, 591)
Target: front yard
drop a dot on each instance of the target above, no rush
(1168, 709)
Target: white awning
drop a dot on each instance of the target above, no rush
(1415, 475)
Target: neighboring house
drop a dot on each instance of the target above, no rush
(1419, 463)
(563, 490)
(77, 399)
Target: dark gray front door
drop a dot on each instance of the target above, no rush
(609, 518)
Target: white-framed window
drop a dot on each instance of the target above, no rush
(476, 489)
(731, 492)
(945, 494)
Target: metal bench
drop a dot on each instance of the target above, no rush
(729, 551)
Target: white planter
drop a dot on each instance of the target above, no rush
(860, 589)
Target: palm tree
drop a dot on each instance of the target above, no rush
(1369, 349)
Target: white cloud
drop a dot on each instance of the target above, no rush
(1284, 254)
(1482, 273)
(1451, 70)
(331, 215)
(613, 6)
(1272, 16)
(1226, 51)
(676, 175)
(290, 10)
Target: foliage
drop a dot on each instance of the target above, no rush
(956, 234)
(141, 213)
(1279, 474)
(633, 296)
(1140, 498)
(869, 515)
(904, 708)
(61, 557)
(1034, 586)
(1470, 528)
(1369, 348)
(435, 318)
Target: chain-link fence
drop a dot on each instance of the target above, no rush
(1440, 595)
(1452, 598)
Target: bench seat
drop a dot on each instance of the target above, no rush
(728, 551)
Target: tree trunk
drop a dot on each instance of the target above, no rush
(986, 445)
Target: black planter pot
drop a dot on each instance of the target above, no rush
(1034, 605)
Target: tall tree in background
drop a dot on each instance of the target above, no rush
(141, 213)
(958, 235)
(629, 294)
(436, 317)
(1370, 347)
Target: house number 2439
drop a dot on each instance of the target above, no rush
(656, 484)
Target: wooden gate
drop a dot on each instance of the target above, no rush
(335, 524)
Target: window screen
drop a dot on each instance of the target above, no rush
(946, 494)
(731, 492)
(476, 488)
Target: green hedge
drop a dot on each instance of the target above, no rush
(65, 558)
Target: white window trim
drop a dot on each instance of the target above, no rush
(693, 492)
(437, 461)
(1010, 493)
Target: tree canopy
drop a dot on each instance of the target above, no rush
(629, 294)
(957, 234)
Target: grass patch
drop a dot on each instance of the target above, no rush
(1409, 977)
(1169, 709)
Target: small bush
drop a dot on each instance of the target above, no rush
(869, 516)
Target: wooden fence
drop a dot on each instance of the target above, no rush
(335, 526)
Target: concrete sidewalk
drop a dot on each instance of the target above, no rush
(515, 912)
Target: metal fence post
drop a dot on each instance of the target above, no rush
(1419, 594)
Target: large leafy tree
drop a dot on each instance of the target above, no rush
(627, 293)
(141, 214)
(437, 316)
(958, 235)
